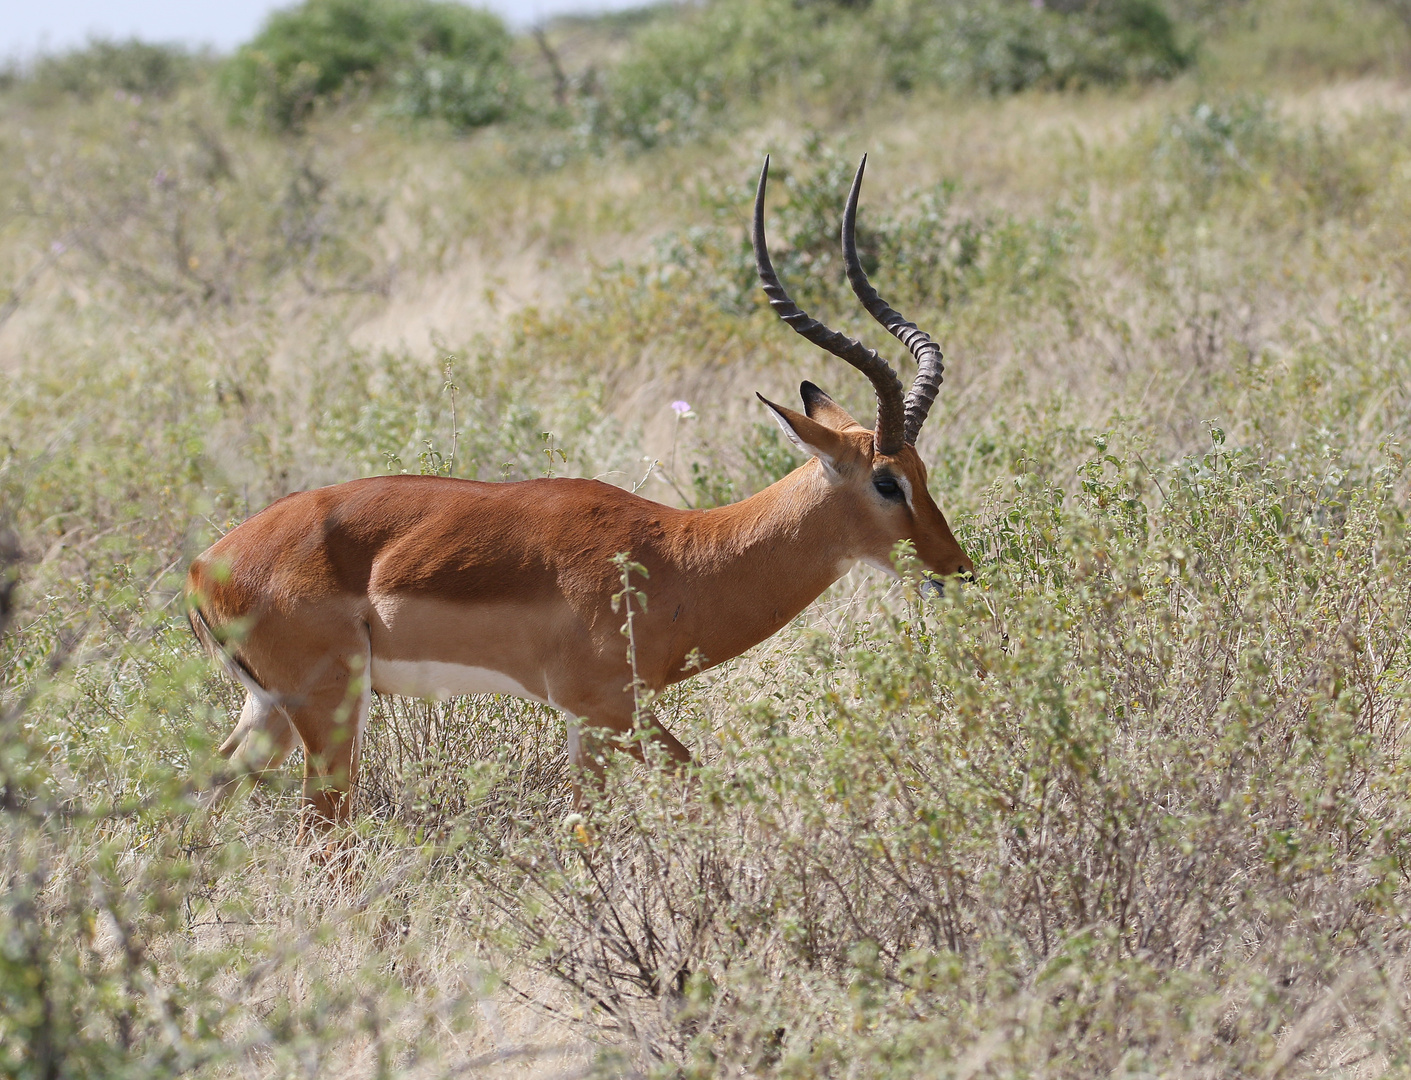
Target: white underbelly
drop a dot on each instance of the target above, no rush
(439, 680)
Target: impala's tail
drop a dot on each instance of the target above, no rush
(223, 653)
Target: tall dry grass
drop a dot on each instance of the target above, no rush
(1133, 804)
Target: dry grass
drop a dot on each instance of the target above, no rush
(1136, 805)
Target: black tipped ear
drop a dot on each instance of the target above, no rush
(820, 407)
(813, 438)
(813, 397)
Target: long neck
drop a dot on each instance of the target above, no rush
(757, 563)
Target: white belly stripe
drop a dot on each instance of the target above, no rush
(439, 680)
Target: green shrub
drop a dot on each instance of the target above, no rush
(921, 251)
(680, 76)
(1002, 47)
(1215, 139)
(1400, 8)
(1223, 146)
(192, 214)
(444, 58)
(466, 94)
(132, 67)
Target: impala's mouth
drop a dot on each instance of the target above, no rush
(932, 584)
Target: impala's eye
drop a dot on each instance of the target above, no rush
(887, 487)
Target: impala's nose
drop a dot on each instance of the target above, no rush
(931, 585)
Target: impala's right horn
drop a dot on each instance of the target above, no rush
(892, 415)
(927, 353)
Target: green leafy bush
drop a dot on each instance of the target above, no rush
(679, 76)
(466, 94)
(925, 250)
(188, 213)
(1003, 47)
(130, 67)
(444, 59)
(1229, 144)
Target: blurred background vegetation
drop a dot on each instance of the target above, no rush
(1137, 803)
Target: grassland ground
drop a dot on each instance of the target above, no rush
(1136, 803)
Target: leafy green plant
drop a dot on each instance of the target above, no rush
(1004, 47)
(680, 76)
(926, 250)
(464, 93)
(1225, 144)
(132, 67)
(443, 59)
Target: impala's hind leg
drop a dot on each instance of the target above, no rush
(259, 744)
(330, 718)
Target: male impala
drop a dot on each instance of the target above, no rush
(432, 586)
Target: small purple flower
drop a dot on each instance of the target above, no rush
(680, 408)
(58, 247)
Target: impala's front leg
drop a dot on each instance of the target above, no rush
(595, 725)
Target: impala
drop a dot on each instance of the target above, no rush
(433, 586)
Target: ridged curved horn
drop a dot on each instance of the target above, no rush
(929, 368)
(890, 430)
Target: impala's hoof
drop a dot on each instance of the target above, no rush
(338, 858)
